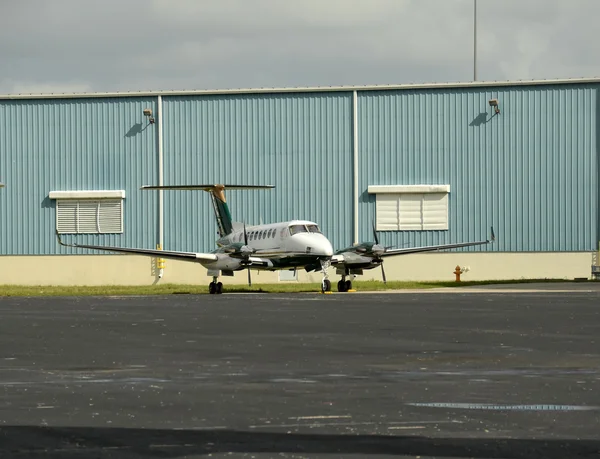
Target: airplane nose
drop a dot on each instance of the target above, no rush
(327, 248)
(316, 244)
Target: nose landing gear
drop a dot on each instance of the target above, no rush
(325, 283)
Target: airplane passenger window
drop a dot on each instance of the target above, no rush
(295, 229)
(313, 229)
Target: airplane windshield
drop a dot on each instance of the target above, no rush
(295, 229)
(313, 229)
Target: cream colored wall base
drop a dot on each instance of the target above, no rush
(134, 270)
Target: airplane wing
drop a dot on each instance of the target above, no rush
(368, 255)
(183, 256)
(430, 248)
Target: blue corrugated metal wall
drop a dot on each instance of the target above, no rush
(301, 143)
(74, 144)
(531, 171)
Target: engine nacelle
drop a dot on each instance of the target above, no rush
(225, 263)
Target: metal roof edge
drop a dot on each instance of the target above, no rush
(383, 87)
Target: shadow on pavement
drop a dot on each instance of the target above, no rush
(86, 442)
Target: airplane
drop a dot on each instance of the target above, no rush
(285, 245)
(368, 255)
(276, 246)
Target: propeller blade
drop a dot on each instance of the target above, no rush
(383, 273)
(375, 232)
(246, 244)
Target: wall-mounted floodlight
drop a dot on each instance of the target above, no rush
(494, 103)
(148, 114)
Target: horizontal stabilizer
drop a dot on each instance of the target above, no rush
(206, 187)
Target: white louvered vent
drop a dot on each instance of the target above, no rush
(412, 211)
(89, 216)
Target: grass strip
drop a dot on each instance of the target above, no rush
(292, 287)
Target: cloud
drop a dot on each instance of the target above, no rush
(159, 44)
(32, 87)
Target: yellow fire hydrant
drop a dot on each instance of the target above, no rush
(457, 272)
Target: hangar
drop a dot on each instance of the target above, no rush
(428, 163)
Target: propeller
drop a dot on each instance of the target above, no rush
(378, 249)
(246, 246)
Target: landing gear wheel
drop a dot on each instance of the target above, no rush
(212, 288)
(341, 285)
(219, 289)
(326, 286)
(348, 285)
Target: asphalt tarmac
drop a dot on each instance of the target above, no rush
(496, 373)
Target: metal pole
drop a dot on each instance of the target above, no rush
(474, 40)
(355, 165)
(161, 227)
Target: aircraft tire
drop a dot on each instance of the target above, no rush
(348, 285)
(212, 288)
(219, 289)
(341, 286)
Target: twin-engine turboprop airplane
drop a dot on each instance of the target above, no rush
(368, 255)
(277, 246)
(284, 245)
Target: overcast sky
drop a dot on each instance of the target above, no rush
(131, 45)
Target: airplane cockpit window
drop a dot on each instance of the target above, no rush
(313, 229)
(272, 233)
(295, 229)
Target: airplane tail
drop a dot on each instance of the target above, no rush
(217, 194)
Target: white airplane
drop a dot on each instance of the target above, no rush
(284, 245)
(276, 246)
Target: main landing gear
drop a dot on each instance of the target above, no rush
(215, 288)
(345, 285)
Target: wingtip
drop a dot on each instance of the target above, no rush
(493, 236)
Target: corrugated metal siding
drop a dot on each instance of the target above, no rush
(301, 143)
(531, 171)
(75, 144)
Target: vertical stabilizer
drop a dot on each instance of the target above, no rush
(217, 195)
(221, 208)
